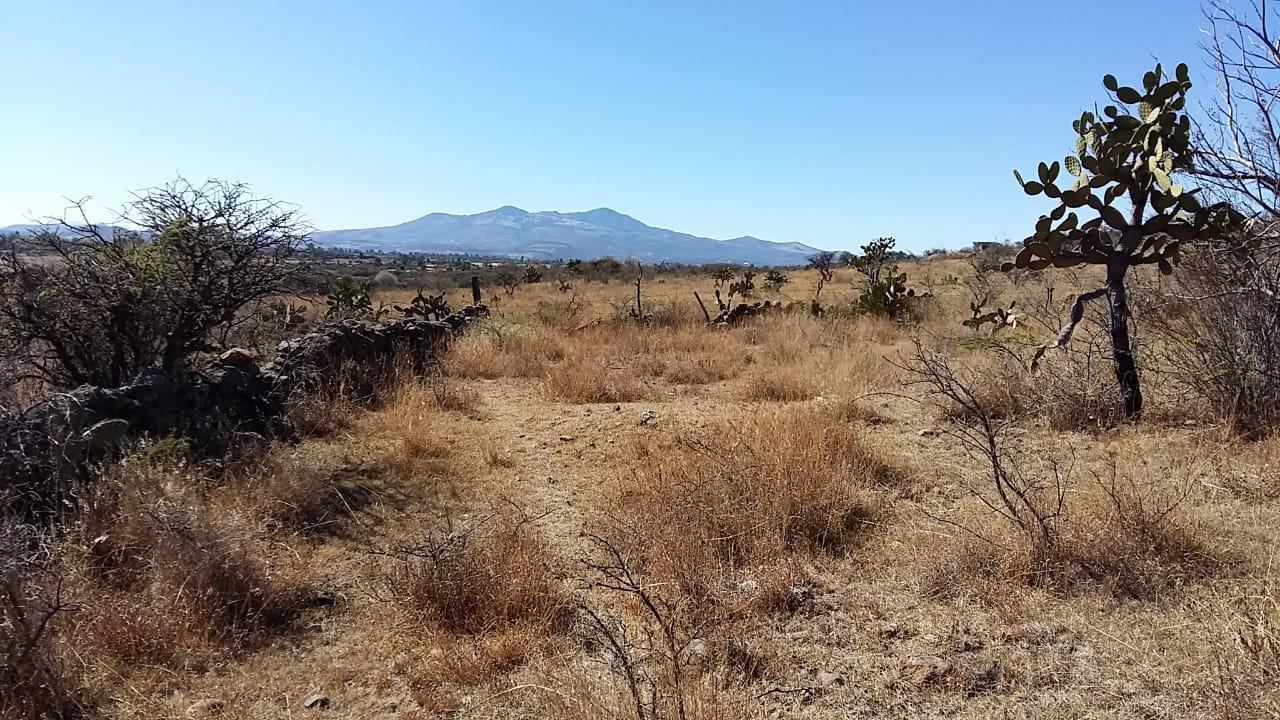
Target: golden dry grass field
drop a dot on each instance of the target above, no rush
(581, 516)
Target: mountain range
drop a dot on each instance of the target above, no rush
(515, 233)
(548, 235)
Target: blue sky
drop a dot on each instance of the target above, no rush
(827, 123)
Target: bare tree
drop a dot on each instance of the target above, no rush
(1239, 142)
(824, 262)
(181, 262)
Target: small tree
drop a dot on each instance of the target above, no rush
(509, 282)
(875, 258)
(532, 275)
(1133, 150)
(119, 301)
(723, 274)
(824, 263)
(774, 280)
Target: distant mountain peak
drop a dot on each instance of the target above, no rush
(551, 235)
(610, 218)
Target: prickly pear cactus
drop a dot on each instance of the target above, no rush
(1134, 149)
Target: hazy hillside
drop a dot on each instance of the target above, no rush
(514, 232)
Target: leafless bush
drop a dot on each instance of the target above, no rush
(1029, 501)
(33, 681)
(651, 661)
(1220, 320)
(1132, 543)
(1136, 545)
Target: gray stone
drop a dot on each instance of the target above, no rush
(238, 358)
(316, 701)
(206, 708)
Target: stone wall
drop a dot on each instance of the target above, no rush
(48, 448)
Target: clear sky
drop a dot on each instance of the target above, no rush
(827, 123)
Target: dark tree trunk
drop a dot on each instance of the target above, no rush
(1121, 349)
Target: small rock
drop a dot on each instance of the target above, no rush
(647, 417)
(827, 680)
(698, 649)
(206, 708)
(617, 408)
(922, 670)
(891, 630)
(238, 358)
(316, 701)
(566, 438)
(248, 441)
(927, 432)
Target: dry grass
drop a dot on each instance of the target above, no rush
(477, 604)
(711, 509)
(1119, 533)
(592, 379)
(782, 383)
(810, 541)
(169, 583)
(497, 350)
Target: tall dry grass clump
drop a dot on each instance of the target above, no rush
(592, 378)
(710, 508)
(493, 350)
(478, 603)
(169, 579)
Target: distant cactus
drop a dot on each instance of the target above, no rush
(774, 280)
(426, 307)
(886, 292)
(889, 295)
(744, 287)
(1133, 150)
(348, 297)
(532, 275)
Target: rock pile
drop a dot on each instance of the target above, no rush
(47, 448)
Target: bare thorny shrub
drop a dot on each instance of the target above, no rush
(33, 680)
(1222, 317)
(665, 657)
(1122, 535)
(479, 602)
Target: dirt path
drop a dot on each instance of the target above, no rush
(548, 458)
